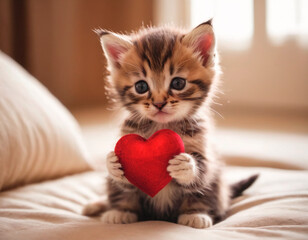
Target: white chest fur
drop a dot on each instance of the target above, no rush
(165, 198)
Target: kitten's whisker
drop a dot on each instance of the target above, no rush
(219, 91)
(216, 103)
(217, 113)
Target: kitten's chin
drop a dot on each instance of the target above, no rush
(162, 117)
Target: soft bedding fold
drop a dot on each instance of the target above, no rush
(276, 206)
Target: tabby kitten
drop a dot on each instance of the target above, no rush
(166, 80)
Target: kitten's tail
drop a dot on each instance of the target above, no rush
(239, 187)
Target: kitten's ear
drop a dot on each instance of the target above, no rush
(114, 45)
(202, 40)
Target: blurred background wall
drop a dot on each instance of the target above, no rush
(54, 41)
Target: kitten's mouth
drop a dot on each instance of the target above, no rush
(160, 113)
(161, 116)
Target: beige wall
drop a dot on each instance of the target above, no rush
(54, 41)
(264, 76)
(59, 46)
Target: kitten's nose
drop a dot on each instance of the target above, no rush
(160, 105)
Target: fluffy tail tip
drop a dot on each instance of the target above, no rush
(238, 188)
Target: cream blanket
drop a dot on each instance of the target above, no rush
(275, 207)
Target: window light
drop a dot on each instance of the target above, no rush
(233, 20)
(287, 19)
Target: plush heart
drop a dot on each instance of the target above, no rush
(145, 161)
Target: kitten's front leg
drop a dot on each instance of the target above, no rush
(183, 168)
(116, 174)
(122, 199)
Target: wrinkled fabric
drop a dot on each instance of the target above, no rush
(275, 206)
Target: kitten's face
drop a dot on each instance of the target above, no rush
(159, 76)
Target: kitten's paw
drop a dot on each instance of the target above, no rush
(115, 168)
(182, 168)
(118, 217)
(195, 220)
(94, 207)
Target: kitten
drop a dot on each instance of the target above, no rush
(166, 79)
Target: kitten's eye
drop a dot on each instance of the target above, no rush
(141, 87)
(178, 83)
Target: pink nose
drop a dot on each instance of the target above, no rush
(160, 105)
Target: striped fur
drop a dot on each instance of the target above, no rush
(158, 55)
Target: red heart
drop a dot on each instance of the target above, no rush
(145, 161)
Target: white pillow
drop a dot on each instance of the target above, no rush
(39, 138)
